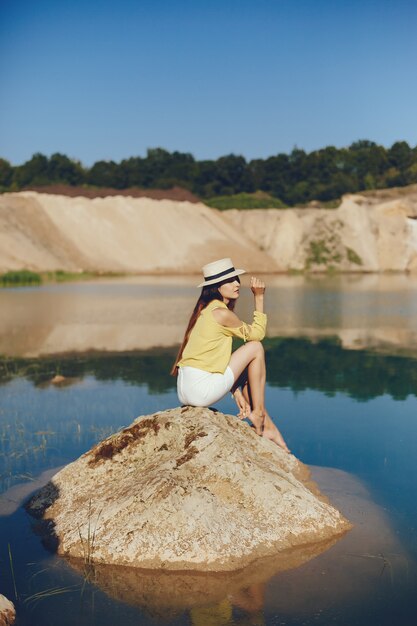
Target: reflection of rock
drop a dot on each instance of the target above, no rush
(58, 379)
(188, 489)
(7, 612)
(168, 592)
(61, 381)
(366, 568)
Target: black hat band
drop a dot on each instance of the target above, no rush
(220, 274)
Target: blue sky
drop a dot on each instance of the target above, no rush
(107, 80)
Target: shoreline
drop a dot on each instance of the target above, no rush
(86, 276)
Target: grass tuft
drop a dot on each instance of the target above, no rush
(88, 544)
(257, 200)
(353, 257)
(12, 572)
(20, 277)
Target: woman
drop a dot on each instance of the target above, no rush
(205, 365)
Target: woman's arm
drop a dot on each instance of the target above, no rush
(228, 319)
(258, 289)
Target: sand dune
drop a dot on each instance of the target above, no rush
(367, 233)
(121, 234)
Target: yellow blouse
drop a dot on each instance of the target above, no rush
(209, 346)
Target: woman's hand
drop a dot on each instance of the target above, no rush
(258, 289)
(243, 406)
(257, 286)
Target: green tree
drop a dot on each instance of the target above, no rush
(156, 164)
(206, 182)
(411, 174)
(368, 160)
(33, 172)
(106, 174)
(272, 175)
(134, 172)
(178, 168)
(6, 174)
(400, 155)
(233, 175)
(294, 178)
(61, 169)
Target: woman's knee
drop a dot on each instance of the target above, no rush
(257, 347)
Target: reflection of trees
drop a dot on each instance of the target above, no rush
(294, 363)
(150, 368)
(301, 364)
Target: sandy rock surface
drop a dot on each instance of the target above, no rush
(7, 612)
(184, 489)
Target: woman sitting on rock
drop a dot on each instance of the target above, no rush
(206, 367)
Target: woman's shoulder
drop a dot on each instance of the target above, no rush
(225, 317)
(215, 304)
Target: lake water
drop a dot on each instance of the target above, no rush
(342, 386)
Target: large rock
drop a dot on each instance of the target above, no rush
(7, 612)
(360, 566)
(184, 489)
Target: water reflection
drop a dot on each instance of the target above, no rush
(168, 593)
(297, 364)
(43, 425)
(353, 409)
(122, 315)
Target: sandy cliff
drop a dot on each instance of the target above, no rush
(45, 232)
(367, 233)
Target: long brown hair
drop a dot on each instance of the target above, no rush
(208, 294)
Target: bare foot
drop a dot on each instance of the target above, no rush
(271, 432)
(243, 406)
(257, 418)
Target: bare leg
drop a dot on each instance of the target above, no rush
(246, 392)
(241, 395)
(243, 406)
(241, 381)
(252, 357)
(270, 431)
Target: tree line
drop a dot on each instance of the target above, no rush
(294, 178)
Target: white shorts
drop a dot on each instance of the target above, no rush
(197, 387)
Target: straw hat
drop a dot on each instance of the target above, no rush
(218, 271)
